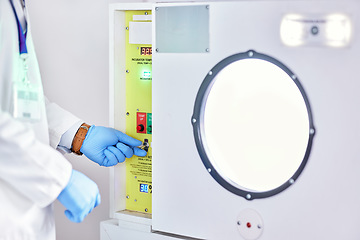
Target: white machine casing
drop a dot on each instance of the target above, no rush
(324, 202)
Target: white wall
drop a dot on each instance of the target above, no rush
(71, 39)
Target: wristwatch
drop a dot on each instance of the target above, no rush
(79, 138)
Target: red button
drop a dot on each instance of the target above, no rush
(140, 128)
(248, 225)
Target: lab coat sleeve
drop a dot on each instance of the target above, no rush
(33, 168)
(60, 121)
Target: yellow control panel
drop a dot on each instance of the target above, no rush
(138, 110)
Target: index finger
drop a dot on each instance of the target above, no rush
(132, 142)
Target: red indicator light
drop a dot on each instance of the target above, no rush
(248, 225)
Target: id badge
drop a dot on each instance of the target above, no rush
(28, 101)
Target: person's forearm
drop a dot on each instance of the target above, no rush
(30, 166)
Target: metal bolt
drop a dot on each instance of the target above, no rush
(137, 109)
(127, 196)
(207, 50)
(127, 114)
(210, 73)
(135, 200)
(209, 169)
(259, 226)
(157, 50)
(291, 181)
(238, 223)
(251, 54)
(146, 13)
(207, 6)
(156, 9)
(146, 209)
(194, 120)
(248, 196)
(314, 30)
(293, 77)
(312, 131)
(135, 177)
(127, 28)
(127, 71)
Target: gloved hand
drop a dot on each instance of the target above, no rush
(108, 146)
(79, 197)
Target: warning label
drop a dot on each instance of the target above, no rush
(142, 167)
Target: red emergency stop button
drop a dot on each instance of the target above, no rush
(140, 128)
(248, 225)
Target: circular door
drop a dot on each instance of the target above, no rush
(252, 125)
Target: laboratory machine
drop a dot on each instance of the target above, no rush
(249, 111)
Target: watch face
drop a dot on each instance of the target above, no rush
(253, 125)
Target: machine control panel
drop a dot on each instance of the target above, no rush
(138, 54)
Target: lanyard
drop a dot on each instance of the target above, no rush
(22, 35)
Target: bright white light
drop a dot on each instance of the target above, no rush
(255, 125)
(338, 30)
(333, 30)
(292, 30)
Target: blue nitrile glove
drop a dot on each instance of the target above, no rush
(79, 197)
(108, 146)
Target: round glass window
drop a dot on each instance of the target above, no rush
(253, 125)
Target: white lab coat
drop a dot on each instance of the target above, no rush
(32, 174)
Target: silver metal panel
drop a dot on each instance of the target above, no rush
(182, 29)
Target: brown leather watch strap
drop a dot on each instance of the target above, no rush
(79, 138)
